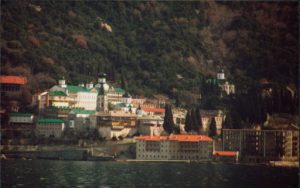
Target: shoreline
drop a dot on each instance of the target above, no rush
(278, 164)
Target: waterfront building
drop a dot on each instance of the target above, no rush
(21, 123)
(11, 83)
(207, 115)
(262, 145)
(150, 125)
(80, 121)
(47, 127)
(226, 156)
(116, 124)
(11, 92)
(174, 147)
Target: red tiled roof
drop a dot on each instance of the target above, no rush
(225, 153)
(179, 138)
(160, 110)
(13, 80)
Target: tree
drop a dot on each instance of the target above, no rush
(188, 124)
(195, 120)
(176, 129)
(199, 119)
(168, 120)
(212, 128)
(124, 83)
(228, 121)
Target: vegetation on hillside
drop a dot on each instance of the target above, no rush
(154, 47)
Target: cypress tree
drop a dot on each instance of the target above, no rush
(188, 124)
(212, 128)
(199, 119)
(168, 120)
(228, 121)
(195, 121)
(176, 129)
(124, 83)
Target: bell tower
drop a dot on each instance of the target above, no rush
(221, 74)
(102, 103)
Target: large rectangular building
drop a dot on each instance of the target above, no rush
(174, 147)
(262, 145)
(150, 125)
(21, 123)
(116, 124)
(47, 127)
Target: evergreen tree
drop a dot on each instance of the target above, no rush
(228, 121)
(176, 129)
(276, 100)
(212, 128)
(294, 106)
(188, 124)
(195, 121)
(124, 83)
(261, 111)
(199, 118)
(168, 120)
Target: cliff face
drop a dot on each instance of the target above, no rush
(147, 44)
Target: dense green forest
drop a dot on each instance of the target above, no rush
(167, 47)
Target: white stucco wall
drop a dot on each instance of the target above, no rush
(87, 100)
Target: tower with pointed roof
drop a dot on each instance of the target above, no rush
(102, 78)
(62, 82)
(102, 81)
(221, 74)
(102, 102)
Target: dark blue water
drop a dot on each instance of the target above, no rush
(43, 173)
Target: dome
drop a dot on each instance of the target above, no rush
(126, 95)
(106, 87)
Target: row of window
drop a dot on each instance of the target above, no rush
(182, 157)
(47, 129)
(172, 151)
(181, 145)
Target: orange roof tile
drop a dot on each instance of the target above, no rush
(179, 138)
(225, 153)
(13, 80)
(160, 110)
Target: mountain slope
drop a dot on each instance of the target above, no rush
(155, 47)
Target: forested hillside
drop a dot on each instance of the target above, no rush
(152, 47)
